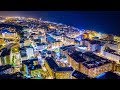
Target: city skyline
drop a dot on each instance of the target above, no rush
(101, 21)
(33, 48)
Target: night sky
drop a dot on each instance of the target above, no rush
(102, 21)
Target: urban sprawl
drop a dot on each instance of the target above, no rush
(31, 48)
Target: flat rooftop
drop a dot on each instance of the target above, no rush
(112, 52)
(5, 52)
(53, 65)
(30, 64)
(66, 47)
(50, 39)
(56, 34)
(79, 75)
(37, 40)
(39, 44)
(5, 67)
(94, 60)
(77, 56)
(93, 41)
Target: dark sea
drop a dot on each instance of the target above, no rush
(101, 21)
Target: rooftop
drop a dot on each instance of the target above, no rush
(95, 42)
(5, 67)
(57, 34)
(33, 34)
(37, 40)
(28, 47)
(6, 31)
(52, 63)
(79, 75)
(5, 52)
(112, 52)
(50, 39)
(39, 44)
(55, 67)
(34, 67)
(77, 56)
(94, 60)
(66, 47)
(30, 64)
(64, 69)
(29, 61)
(12, 76)
(23, 53)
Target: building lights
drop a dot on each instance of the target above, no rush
(66, 36)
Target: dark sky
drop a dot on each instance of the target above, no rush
(103, 21)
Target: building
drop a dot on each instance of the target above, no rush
(75, 60)
(12, 76)
(23, 54)
(95, 65)
(6, 69)
(40, 46)
(29, 52)
(2, 42)
(57, 72)
(57, 44)
(110, 37)
(116, 67)
(64, 49)
(22, 43)
(15, 59)
(50, 39)
(112, 55)
(27, 42)
(57, 36)
(68, 40)
(37, 40)
(7, 34)
(5, 56)
(40, 60)
(117, 38)
(32, 68)
(113, 46)
(93, 45)
(78, 75)
(53, 43)
(42, 38)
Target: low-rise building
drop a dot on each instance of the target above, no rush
(40, 46)
(6, 69)
(112, 55)
(32, 68)
(23, 54)
(29, 52)
(95, 65)
(75, 60)
(57, 72)
(78, 75)
(7, 34)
